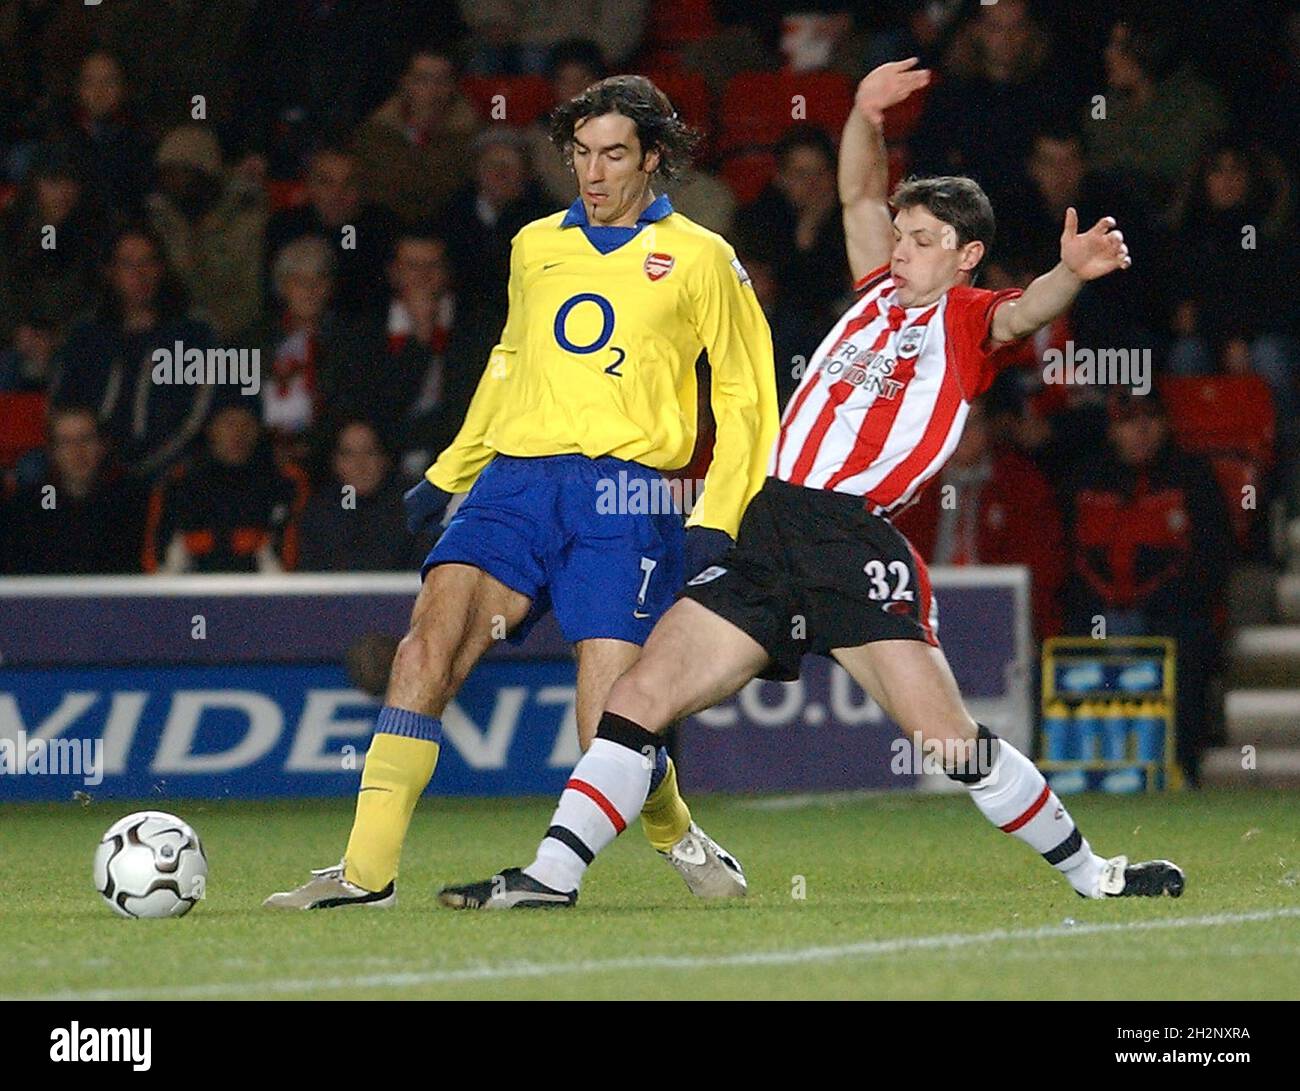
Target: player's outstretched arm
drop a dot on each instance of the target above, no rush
(1083, 258)
(864, 164)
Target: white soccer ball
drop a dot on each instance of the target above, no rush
(150, 864)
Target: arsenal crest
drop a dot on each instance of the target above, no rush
(658, 266)
(909, 342)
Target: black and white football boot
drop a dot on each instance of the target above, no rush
(1149, 879)
(327, 889)
(511, 889)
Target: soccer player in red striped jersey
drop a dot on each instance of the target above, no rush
(817, 566)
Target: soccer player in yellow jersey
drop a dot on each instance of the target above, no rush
(589, 394)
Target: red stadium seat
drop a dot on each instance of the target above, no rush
(282, 193)
(758, 107)
(746, 174)
(524, 98)
(22, 426)
(1230, 420)
(1221, 414)
(674, 23)
(1234, 473)
(899, 162)
(689, 93)
(901, 120)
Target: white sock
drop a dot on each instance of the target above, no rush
(1015, 798)
(608, 787)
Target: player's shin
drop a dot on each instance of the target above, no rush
(1012, 794)
(608, 787)
(398, 766)
(665, 818)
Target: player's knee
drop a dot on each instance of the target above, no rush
(643, 698)
(420, 661)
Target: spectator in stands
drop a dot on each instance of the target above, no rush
(212, 226)
(794, 337)
(356, 523)
(107, 137)
(107, 361)
(995, 93)
(1158, 115)
(921, 33)
(83, 517)
(413, 374)
(1231, 255)
(27, 365)
(795, 225)
(415, 149)
(289, 342)
(308, 68)
(1122, 311)
(360, 234)
(230, 508)
(49, 243)
(744, 41)
(1150, 547)
(704, 198)
(170, 52)
(572, 67)
(516, 36)
(992, 506)
(484, 215)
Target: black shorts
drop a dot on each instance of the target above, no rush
(813, 570)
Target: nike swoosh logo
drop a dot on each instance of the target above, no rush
(374, 788)
(639, 615)
(551, 265)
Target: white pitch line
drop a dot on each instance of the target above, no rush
(507, 970)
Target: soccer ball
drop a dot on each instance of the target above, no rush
(150, 864)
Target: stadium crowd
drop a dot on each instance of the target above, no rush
(336, 185)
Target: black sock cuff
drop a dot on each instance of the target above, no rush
(627, 733)
(986, 754)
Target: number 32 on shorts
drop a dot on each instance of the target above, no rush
(879, 574)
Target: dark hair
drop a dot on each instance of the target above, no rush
(658, 127)
(805, 135)
(382, 441)
(173, 300)
(581, 51)
(1151, 47)
(423, 230)
(956, 200)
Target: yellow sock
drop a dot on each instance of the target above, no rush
(665, 816)
(397, 770)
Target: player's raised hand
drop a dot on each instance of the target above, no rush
(1096, 252)
(887, 86)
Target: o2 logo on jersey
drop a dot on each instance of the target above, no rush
(602, 339)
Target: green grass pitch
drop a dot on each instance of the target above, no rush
(903, 897)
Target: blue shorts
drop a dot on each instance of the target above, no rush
(595, 539)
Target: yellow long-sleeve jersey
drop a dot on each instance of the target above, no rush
(598, 358)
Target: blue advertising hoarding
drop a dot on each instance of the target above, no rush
(211, 687)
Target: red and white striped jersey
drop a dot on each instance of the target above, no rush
(886, 394)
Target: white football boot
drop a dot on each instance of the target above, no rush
(327, 889)
(709, 870)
